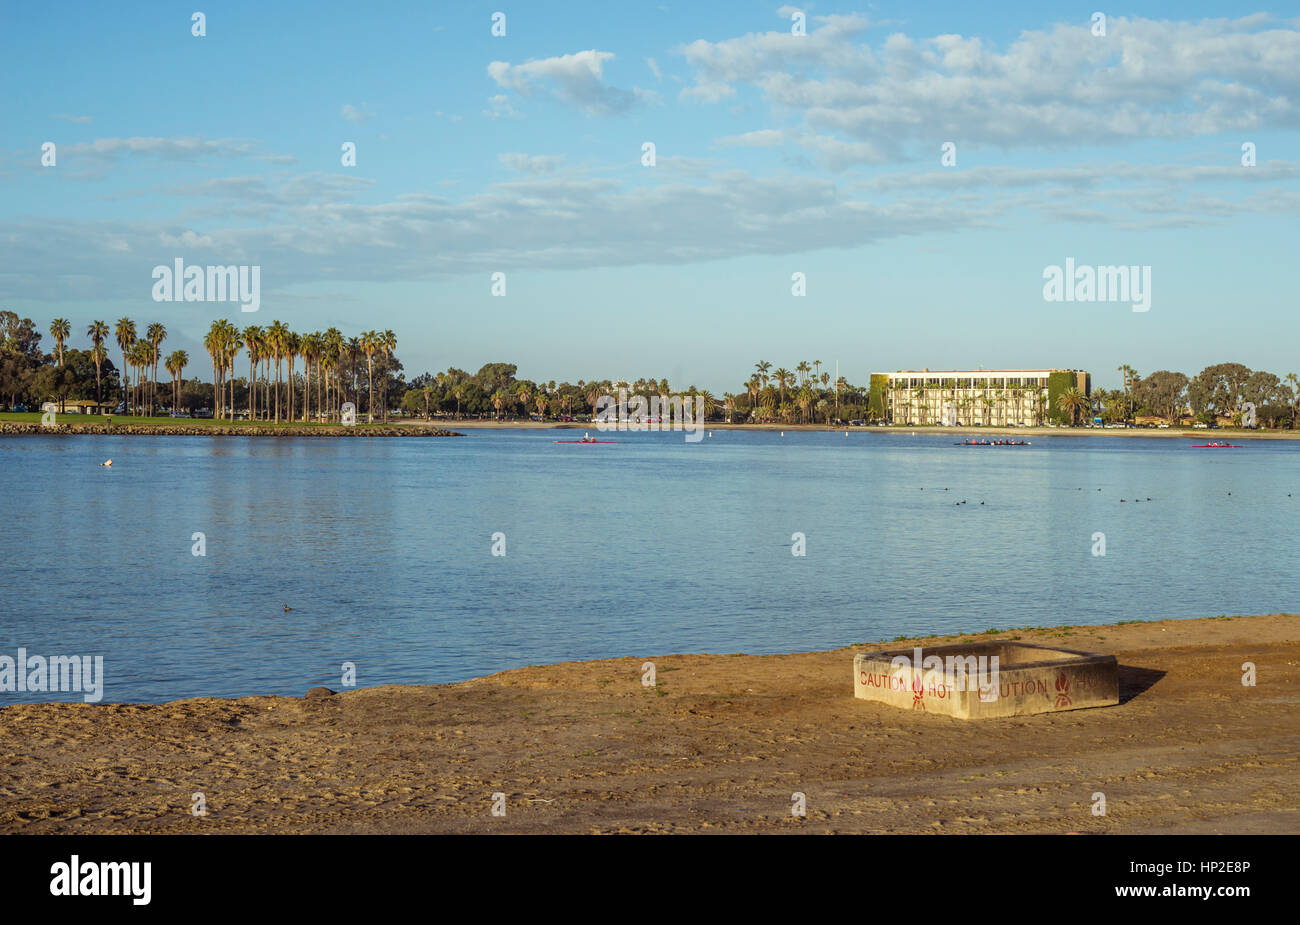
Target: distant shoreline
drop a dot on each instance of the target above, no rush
(992, 433)
(419, 428)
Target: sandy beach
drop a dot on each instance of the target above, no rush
(718, 745)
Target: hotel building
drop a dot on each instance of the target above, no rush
(984, 397)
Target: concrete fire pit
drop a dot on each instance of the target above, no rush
(982, 680)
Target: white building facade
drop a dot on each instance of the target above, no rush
(980, 397)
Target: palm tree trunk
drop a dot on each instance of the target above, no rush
(370, 394)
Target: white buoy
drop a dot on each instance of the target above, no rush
(710, 433)
(782, 433)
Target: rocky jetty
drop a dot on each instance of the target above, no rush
(16, 428)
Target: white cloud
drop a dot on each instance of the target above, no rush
(654, 68)
(354, 113)
(535, 163)
(317, 226)
(1046, 89)
(576, 79)
(763, 138)
(500, 108)
(69, 118)
(108, 149)
(831, 152)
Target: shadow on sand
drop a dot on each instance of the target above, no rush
(1134, 681)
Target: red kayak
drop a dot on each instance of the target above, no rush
(584, 441)
(1217, 446)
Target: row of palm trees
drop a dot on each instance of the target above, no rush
(140, 356)
(323, 355)
(560, 400)
(276, 346)
(767, 389)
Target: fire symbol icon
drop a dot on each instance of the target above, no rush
(1062, 691)
(918, 692)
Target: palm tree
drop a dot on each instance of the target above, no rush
(310, 357)
(97, 331)
(234, 343)
(212, 342)
(276, 337)
(156, 333)
(175, 364)
(369, 342)
(706, 401)
(762, 367)
(292, 348)
(753, 386)
(1294, 382)
(388, 344)
(501, 398)
(593, 394)
(523, 393)
(333, 357)
(802, 369)
(1129, 375)
(541, 400)
(59, 330)
(1072, 401)
(353, 349)
(729, 402)
(804, 398)
(253, 344)
(782, 377)
(139, 357)
(125, 333)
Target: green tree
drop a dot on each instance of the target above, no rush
(59, 330)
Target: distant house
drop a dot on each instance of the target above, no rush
(86, 406)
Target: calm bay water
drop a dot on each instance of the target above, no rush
(382, 548)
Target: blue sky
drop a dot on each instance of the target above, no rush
(775, 154)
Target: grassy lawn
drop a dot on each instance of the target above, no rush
(122, 419)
